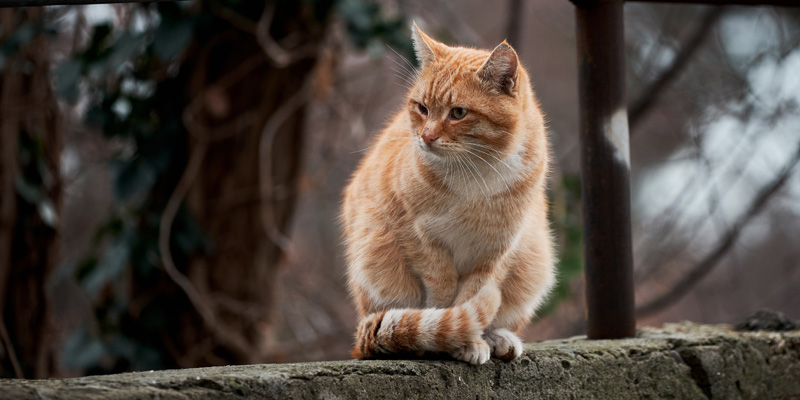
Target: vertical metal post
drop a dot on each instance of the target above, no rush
(605, 169)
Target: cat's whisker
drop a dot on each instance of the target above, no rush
(403, 72)
(467, 164)
(503, 178)
(495, 157)
(408, 84)
(403, 86)
(402, 69)
(496, 154)
(446, 170)
(390, 139)
(461, 168)
(362, 150)
(413, 68)
(400, 75)
(479, 175)
(486, 147)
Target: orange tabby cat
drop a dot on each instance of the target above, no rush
(448, 244)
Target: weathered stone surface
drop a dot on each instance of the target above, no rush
(680, 361)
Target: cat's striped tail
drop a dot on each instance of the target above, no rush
(400, 331)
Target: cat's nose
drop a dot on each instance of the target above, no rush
(429, 137)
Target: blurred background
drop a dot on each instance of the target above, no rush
(171, 173)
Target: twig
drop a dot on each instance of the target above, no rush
(12, 355)
(165, 228)
(667, 220)
(281, 114)
(650, 94)
(277, 55)
(701, 269)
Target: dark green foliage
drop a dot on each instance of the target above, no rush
(25, 33)
(568, 225)
(143, 112)
(367, 27)
(35, 178)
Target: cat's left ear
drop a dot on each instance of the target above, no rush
(501, 70)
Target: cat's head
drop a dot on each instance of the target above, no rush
(465, 100)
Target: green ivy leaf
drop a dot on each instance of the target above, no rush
(82, 350)
(126, 46)
(67, 77)
(30, 193)
(22, 35)
(131, 177)
(47, 212)
(97, 45)
(109, 267)
(172, 37)
(188, 235)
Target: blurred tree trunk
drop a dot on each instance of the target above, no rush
(237, 93)
(30, 194)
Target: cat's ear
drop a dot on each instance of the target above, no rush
(425, 48)
(501, 70)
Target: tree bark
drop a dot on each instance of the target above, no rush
(238, 94)
(29, 122)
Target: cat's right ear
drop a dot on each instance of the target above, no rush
(501, 70)
(425, 48)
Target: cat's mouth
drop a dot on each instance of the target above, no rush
(434, 148)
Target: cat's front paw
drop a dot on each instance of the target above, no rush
(475, 353)
(504, 343)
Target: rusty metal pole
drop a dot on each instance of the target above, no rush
(605, 169)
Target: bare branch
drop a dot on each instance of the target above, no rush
(265, 148)
(9, 346)
(640, 107)
(701, 269)
(277, 55)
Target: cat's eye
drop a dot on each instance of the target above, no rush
(422, 109)
(458, 113)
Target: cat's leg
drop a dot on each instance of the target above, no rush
(523, 291)
(379, 281)
(378, 276)
(500, 342)
(432, 262)
(482, 306)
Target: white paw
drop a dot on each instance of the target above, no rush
(504, 343)
(475, 353)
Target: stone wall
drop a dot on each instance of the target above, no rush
(683, 361)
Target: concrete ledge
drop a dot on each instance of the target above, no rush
(684, 361)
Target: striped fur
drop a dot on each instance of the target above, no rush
(445, 220)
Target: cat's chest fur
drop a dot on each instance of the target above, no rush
(470, 233)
